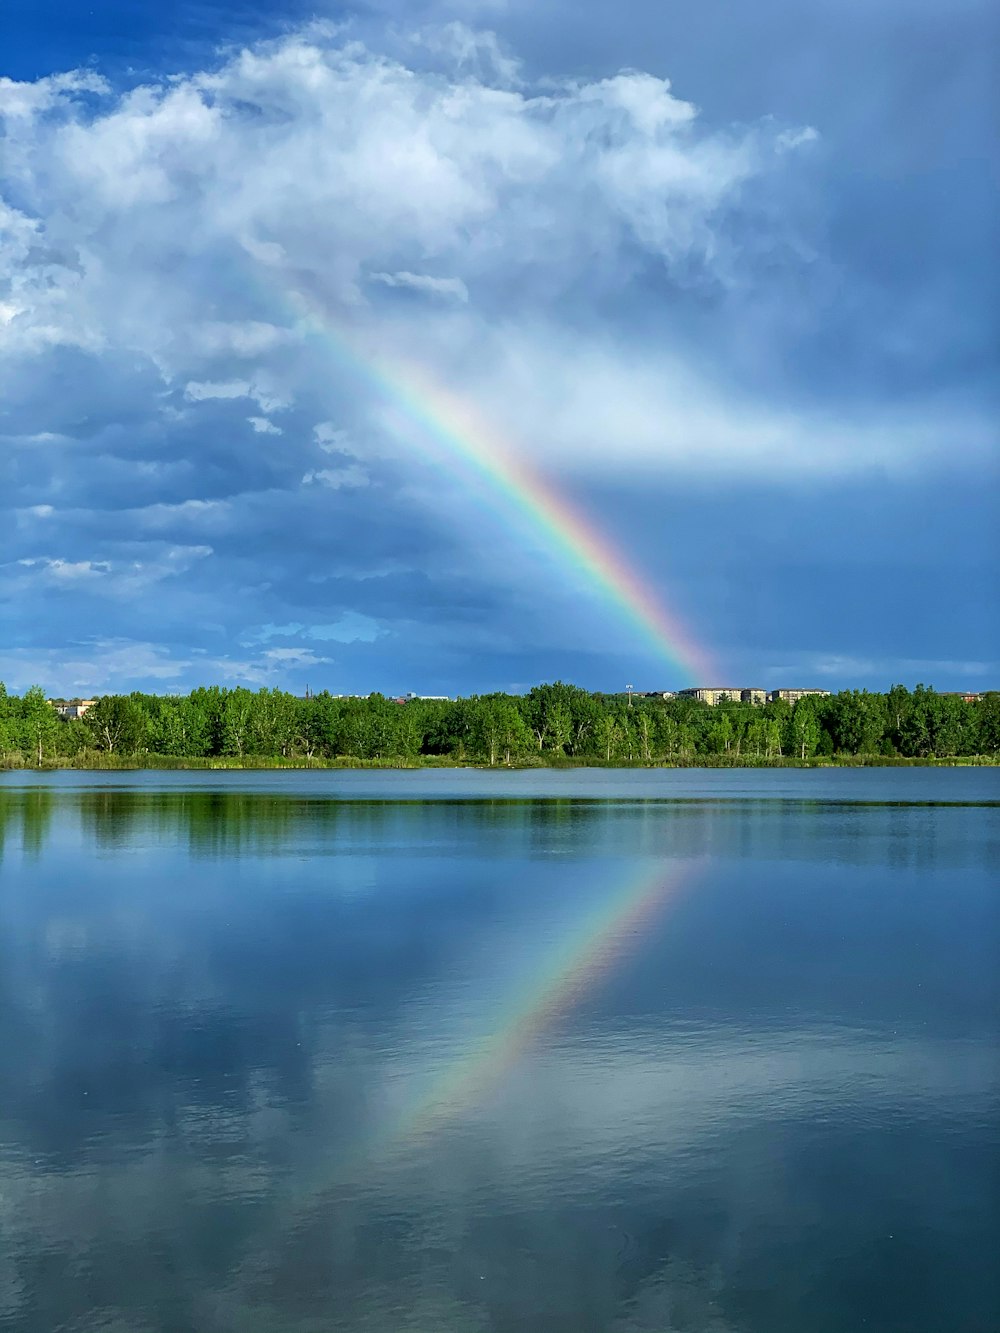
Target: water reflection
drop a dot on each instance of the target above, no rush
(26, 814)
(224, 822)
(301, 1064)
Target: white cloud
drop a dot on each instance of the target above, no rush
(574, 402)
(312, 168)
(310, 162)
(195, 512)
(199, 393)
(335, 440)
(94, 667)
(335, 479)
(351, 627)
(26, 100)
(265, 632)
(152, 562)
(262, 426)
(294, 657)
(327, 435)
(241, 338)
(843, 668)
(261, 390)
(647, 100)
(452, 288)
(788, 140)
(471, 51)
(59, 571)
(111, 665)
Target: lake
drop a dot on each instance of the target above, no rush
(456, 1052)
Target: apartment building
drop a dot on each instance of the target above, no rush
(72, 708)
(715, 694)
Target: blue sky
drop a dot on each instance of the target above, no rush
(723, 273)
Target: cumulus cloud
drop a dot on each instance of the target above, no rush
(314, 228)
(66, 571)
(198, 393)
(351, 627)
(242, 338)
(844, 668)
(336, 478)
(110, 577)
(470, 50)
(457, 166)
(298, 657)
(109, 665)
(579, 404)
(90, 666)
(259, 390)
(333, 439)
(452, 288)
(310, 167)
(26, 100)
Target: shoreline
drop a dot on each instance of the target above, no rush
(166, 764)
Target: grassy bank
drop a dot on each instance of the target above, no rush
(99, 761)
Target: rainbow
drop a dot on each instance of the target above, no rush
(504, 475)
(573, 969)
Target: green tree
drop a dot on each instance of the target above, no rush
(235, 721)
(117, 723)
(803, 729)
(313, 724)
(8, 725)
(645, 733)
(609, 736)
(687, 741)
(271, 728)
(500, 732)
(721, 735)
(176, 726)
(916, 733)
(587, 712)
(951, 733)
(37, 724)
(206, 718)
(858, 722)
(987, 723)
(897, 708)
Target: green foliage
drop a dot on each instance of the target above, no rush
(8, 728)
(36, 725)
(553, 723)
(118, 723)
(802, 729)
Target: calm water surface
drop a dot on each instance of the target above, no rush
(582, 1052)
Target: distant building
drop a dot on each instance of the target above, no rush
(433, 698)
(658, 694)
(715, 694)
(72, 708)
(966, 696)
(793, 696)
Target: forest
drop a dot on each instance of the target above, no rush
(551, 724)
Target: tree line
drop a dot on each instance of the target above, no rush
(552, 723)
